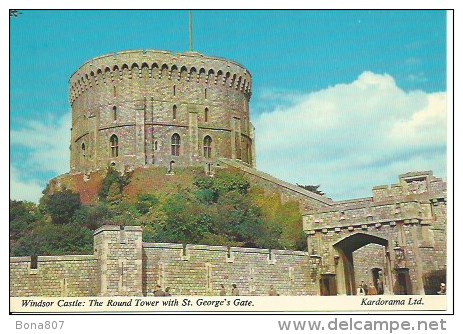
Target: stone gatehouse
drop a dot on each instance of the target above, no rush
(395, 239)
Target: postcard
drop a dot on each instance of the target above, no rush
(229, 161)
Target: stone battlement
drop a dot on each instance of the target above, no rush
(123, 265)
(189, 66)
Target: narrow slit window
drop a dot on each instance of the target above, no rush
(206, 115)
(114, 113)
(174, 112)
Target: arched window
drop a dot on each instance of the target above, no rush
(171, 167)
(174, 112)
(175, 144)
(114, 113)
(83, 150)
(207, 145)
(114, 141)
(206, 115)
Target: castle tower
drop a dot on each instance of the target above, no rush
(119, 254)
(141, 108)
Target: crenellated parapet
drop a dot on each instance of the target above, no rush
(191, 67)
(412, 200)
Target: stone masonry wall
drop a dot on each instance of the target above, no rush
(367, 258)
(409, 217)
(199, 270)
(289, 192)
(119, 252)
(55, 276)
(145, 97)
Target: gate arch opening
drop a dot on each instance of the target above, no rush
(346, 283)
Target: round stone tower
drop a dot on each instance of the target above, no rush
(141, 108)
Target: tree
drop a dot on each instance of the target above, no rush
(51, 239)
(92, 217)
(113, 185)
(184, 222)
(311, 188)
(146, 202)
(61, 206)
(24, 216)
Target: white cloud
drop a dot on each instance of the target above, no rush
(40, 149)
(24, 190)
(47, 143)
(351, 137)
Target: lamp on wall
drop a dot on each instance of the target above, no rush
(336, 260)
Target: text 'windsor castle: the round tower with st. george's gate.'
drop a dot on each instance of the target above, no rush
(141, 108)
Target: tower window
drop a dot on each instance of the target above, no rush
(114, 141)
(207, 145)
(114, 113)
(175, 144)
(83, 150)
(174, 90)
(174, 112)
(114, 91)
(205, 93)
(206, 115)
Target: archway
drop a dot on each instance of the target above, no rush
(345, 270)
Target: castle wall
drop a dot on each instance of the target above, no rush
(367, 258)
(144, 97)
(199, 270)
(123, 266)
(55, 276)
(119, 253)
(289, 192)
(410, 216)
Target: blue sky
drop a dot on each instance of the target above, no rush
(357, 97)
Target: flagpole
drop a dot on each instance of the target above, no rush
(191, 31)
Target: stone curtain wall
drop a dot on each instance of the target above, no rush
(124, 266)
(55, 276)
(289, 192)
(133, 94)
(199, 270)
